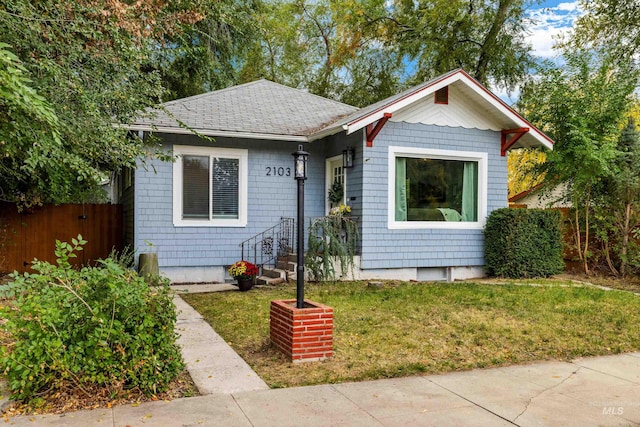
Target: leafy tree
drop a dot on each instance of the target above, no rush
(27, 125)
(612, 24)
(88, 60)
(523, 169)
(360, 51)
(280, 53)
(208, 54)
(620, 194)
(324, 46)
(581, 106)
(486, 38)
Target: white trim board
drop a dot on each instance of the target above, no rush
(480, 157)
(243, 190)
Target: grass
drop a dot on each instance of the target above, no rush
(413, 328)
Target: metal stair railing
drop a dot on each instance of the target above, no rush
(266, 247)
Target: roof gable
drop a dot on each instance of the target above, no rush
(482, 109)
(459, 111)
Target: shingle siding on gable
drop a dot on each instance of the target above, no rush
(270, 198)
(385, 248)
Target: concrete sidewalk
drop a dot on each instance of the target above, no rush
(602, 391)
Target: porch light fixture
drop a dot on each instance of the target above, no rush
(300, 175)
(348, 157)
(301, 157)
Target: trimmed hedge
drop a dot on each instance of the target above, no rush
(523, 243)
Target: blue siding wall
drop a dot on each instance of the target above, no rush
(385, 248)
(335, 145)
(273, 197)
(270, 198)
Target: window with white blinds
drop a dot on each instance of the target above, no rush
(225, 184)
(210, 186)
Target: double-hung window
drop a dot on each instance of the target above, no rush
(437, 188)
(210, 187)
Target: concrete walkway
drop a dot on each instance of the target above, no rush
(211, 362)
(602, 391)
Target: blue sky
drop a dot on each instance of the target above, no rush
(549, 20)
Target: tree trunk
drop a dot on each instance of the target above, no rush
(624, 250)
(576, 230)
(608, 257)
(586, 232)
(490, 40)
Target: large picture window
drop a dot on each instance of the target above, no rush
(210, 186)
(436, 188)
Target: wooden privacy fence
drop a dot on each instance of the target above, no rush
(28, 235)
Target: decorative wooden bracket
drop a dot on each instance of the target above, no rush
(372, 131)
(507, 142)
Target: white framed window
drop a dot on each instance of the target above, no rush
(210, 187)
(431, 188)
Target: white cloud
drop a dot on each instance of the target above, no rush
(568, 6)
(548, 24)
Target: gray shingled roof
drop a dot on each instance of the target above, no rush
(260, 107)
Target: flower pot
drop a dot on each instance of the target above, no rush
(245, 284)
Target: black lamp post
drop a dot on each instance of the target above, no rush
(300, 175)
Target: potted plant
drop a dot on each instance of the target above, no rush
(245, 273)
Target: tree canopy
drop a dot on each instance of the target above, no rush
(362, 51)
(71, 70)
(583, 105)
(76, 68)
(610, 24)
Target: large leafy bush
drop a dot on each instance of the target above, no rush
(521, 243)
(100, 326)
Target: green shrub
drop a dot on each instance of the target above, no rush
(521, 243)
(332, 243)
(99, 326)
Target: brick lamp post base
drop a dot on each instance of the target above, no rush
(302, 334)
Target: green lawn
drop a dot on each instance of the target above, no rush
(409, 328)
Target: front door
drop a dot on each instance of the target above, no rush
(336, 183)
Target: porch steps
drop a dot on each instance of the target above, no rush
(283, 271)
(271, 276)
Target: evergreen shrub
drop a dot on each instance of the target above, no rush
(523, 243)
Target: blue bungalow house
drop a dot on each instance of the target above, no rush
(427, 167)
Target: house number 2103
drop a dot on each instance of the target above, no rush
(275, 171)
